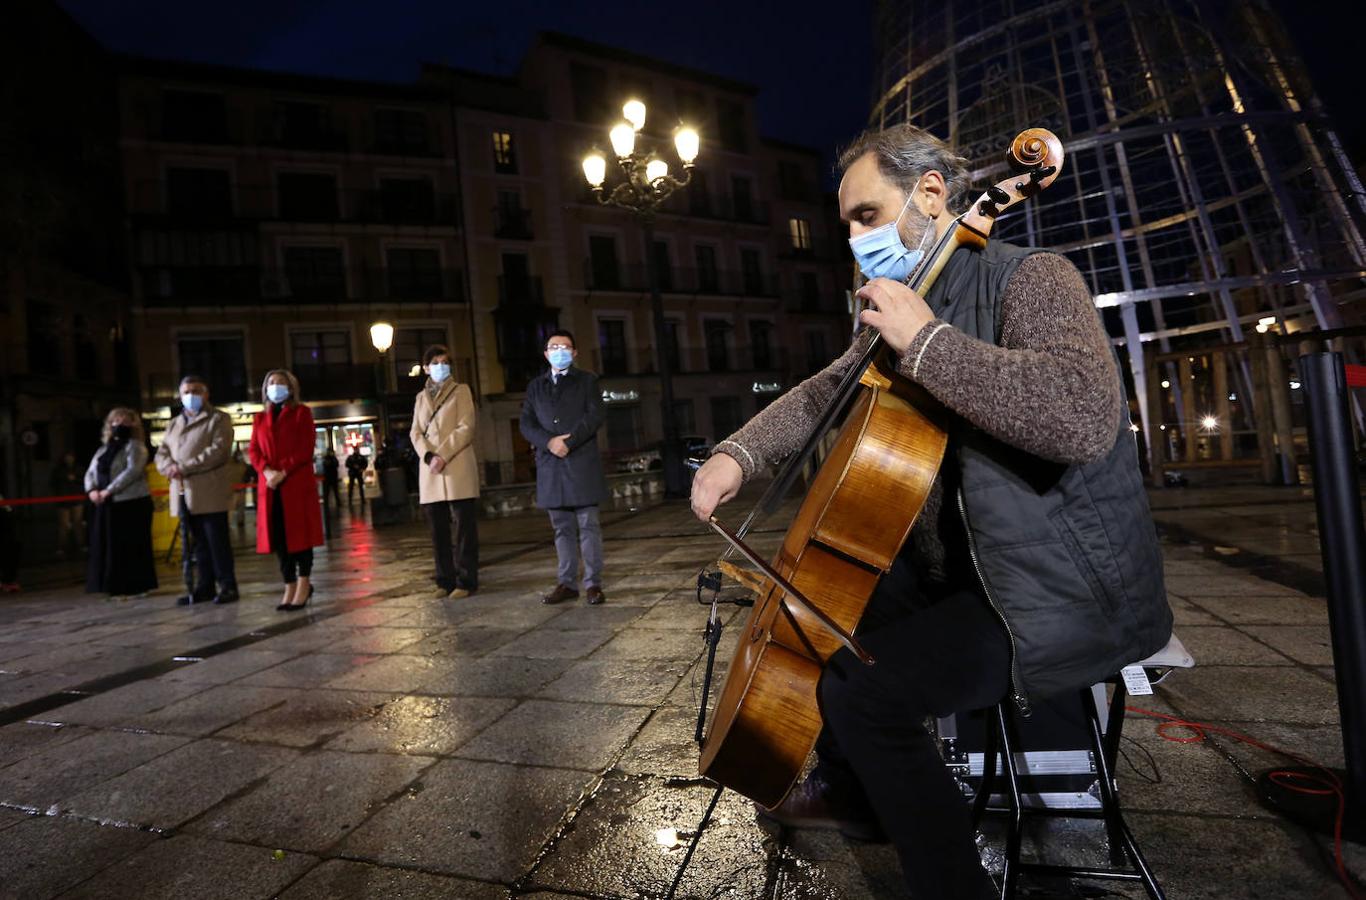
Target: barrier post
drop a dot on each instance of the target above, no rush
(1342, 543)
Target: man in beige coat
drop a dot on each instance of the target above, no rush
(196, 455)
(448, 482)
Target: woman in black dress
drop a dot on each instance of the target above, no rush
(121, 562)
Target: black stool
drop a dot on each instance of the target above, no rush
(1127, 862)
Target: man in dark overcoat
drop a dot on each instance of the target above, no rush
(560, 418)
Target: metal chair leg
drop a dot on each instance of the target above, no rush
(989, 753)
(1114, 819)
(1010, 872)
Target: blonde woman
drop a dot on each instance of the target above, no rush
(121, 562)
(288, 521)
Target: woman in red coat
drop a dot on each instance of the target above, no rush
(288, 522)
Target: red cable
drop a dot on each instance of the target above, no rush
(1326, 785)
(72, 498)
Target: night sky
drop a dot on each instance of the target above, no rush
(811, 60)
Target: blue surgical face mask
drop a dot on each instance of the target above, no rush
(439, 371)
(277, 393)
(192, 402)
(560, 358)
(882, 254)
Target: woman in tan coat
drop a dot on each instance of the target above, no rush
(448, 482)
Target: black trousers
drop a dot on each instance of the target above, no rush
(938, 651)
(352, 482)
(457, 561)
(212, 552)
(292, 565)
(334, 489)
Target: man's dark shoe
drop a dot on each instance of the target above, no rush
(595, 595)
(227, 595)
(188, 599)
(813, 804)
(560, 594)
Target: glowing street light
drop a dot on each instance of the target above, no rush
(647, 184)
(382, 336)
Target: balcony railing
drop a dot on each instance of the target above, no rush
(680, 280)
(520, 291)
(269, 203)
(179, 285)
(757, 359)
(512, 223)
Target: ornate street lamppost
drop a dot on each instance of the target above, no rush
(648, 184)
(382, 337)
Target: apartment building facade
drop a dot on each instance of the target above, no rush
(273, 218)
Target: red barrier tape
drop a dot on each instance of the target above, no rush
(1356, 376)
(72, 498)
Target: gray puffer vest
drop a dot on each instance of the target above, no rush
(1068, 554)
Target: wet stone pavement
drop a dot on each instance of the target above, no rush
(388, 744)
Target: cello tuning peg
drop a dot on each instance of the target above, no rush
(998, 196)
(1041, 173)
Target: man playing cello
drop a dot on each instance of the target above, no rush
(1033, 567)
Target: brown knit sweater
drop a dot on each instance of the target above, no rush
(1051, 388)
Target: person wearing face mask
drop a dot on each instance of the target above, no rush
(288, 519)
(196, 456)
(560, 418)
(1033, 567)
(448, 482)
(121, 562)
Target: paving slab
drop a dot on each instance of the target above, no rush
(212, 709)
(187, 866)
(647, 643)
(639, 682)
(1242, 693)
(345, 880)
(549, 643)
(399, 674)
(43, 856)
(1219, 645)
(495, 676)
(21, 740)
(230, 666)
(630, 837)
(423, 725)
(461, 641)
(311, 670)
(309, 718)
(67, 769)
(665, 746)
(121, 706)
(552, 733)
(178, 786)
(1269, 610)
(479, 819)
(1308, 644)
(313, 802)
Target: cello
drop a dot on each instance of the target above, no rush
(857, 513)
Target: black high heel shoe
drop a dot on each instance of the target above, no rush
(306, 599)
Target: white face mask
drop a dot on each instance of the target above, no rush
(881, 253)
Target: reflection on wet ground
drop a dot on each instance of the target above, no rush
(388, 743)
